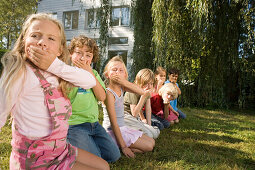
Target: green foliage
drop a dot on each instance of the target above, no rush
(12, 16)
(104, 14)
(142, 23)
(207, 139)
(212, 43)
(2, 52)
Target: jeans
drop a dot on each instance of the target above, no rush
(181, 114)
(93, 138)
(159, 122)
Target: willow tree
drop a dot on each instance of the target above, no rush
(203, 38)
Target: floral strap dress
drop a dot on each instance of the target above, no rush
(50, 152)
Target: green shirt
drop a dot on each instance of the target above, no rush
(84, 104)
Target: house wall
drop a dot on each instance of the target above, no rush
(61, 6)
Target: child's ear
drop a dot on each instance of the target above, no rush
(60, 51)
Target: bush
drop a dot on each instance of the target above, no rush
(2, 52)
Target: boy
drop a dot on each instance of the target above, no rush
(172, 78)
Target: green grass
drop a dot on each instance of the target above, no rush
(207, 139)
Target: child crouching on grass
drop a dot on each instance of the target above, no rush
(162, 115)
(133, 105)
(129, 140)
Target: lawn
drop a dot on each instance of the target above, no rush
(207, 139)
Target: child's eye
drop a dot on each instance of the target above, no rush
(50, 38)
(34, 35)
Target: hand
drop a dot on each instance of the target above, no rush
(146, 95)
(160, 82)
(176, 113)
(119, 79)
(42, 58)
(166, 98)
(128, 152)
(144, 121)
(83, 64)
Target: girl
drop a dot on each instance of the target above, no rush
(84, 131)
(162, 114)
(36, 98)
(133, 104)
(129, 140)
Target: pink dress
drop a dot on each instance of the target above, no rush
(50, 152)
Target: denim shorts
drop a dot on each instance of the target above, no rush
(93, 138)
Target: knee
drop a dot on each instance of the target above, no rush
(116, 156)
(166, 124)
(105, 166)
(176, 121)
(150, 145)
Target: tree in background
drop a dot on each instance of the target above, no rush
(12, 15)
(212, 43)
(142, 22)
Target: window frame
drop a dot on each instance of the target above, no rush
(72, 14)
(120, 16)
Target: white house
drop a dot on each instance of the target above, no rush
(80, 17)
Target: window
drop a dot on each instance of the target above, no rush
(118, 40)
(123, 54)
(54, 15)
(120, 16)
(71, 20)
(93, 18)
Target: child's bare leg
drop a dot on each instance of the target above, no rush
(176, 121)
(87, 160)
(171, 122)
(143, 144)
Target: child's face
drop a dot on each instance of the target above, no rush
(116, 68)
(83, 54)
(173, 78)
(43, 34)
(161, 76)
(148, 86)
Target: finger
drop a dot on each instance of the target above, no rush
(37, 50)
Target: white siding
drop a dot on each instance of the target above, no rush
(60, 6)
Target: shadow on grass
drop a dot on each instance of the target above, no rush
(206, 121)
(199, 154)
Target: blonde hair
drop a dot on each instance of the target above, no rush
(159, 69)
(82, 41)
(14, 61)
(112, 60)
(143, 77)
(168, 88)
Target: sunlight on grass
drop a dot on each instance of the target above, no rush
(207, 139)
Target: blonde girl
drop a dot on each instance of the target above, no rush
(162, 114)
(129, 140)
(134, 103)
(33, 87)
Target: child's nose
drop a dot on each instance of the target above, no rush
(42, 42)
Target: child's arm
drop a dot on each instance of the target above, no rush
(98, 90)
(46, 60)
(6, 106)
(178, 89)
(142, 117)
(109, 102)
(148, 111)
(136, 108)
(127, 86)
(159, 85)
(175, 112)
(166, 111)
